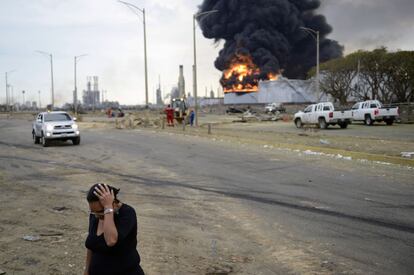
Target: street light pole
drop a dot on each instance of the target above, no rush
(40, 104)
(75, 92)
(134, 8)
(195, 16)
(51, 75)
(7, 90)
(7, 94)
(315, 34)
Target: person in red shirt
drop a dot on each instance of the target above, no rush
(170, 115)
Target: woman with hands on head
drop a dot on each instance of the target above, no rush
(112, 239)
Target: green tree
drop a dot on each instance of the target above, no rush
(336, 78)
(400, 76)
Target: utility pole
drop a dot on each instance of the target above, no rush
(23, 92)
(315, 34)
(51, 75)
(11, 95)
(318, 83)
(134, 9)
(7, 94)
(145, 57)
(7, 90)
(53, 85)
(195, 16)
(75, 92)
(40, 104)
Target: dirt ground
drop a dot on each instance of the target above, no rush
(377, 143)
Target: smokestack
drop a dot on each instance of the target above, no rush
(181, 82)
(267, 36)
(95, 83)
(89, 84)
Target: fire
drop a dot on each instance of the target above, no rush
(243, 76)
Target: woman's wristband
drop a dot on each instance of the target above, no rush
(108, 210)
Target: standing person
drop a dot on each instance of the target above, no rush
(170, 115)
(109, 112)
(192, 116)
(112, 239)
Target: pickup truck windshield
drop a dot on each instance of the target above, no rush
(57, 117)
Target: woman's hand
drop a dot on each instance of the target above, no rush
(106, 196)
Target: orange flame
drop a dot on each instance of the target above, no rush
(243, 76)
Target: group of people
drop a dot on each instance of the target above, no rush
(110, 113)
(169, 111)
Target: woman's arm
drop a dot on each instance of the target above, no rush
(88, 261)
(106, 198)
(109, 229)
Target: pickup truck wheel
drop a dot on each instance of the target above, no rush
(389, 122)
(45, 142)
(343, 125)
(368, 120)
(322, 123)
(76, 141)
(35, 138)
(298, 123)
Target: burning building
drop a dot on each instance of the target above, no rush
(264, 39)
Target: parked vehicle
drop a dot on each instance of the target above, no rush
(323, 115)
(372, 110)
(275, 107)
(55, 126)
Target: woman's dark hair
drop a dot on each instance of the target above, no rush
(91, 197)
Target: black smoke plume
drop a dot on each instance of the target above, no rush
(270, 32)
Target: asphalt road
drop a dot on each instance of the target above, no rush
(291, 213)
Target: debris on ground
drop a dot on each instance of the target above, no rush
(60, 209)
(222, 269)
(255, 117)
(131, 121)
(324, 142)
(407, 154)
(2, 272)
(31, 238)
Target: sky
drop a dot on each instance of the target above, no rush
(112, 37)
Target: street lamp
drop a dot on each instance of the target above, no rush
(134, 9)
(51, 74)
(75, 92)
(195, 16)
(40, 104)
(23, 92)
(7, 89)
(315, 34)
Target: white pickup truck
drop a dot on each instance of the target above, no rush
(323, 115)
(55, 126)
(372, 110)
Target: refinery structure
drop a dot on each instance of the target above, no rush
(92, 96)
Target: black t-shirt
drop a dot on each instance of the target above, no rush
(121, 259)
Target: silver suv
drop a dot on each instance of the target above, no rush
(55, 126)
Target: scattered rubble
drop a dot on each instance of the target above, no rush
(132, 121)
(254, 117)
(409, 155)
(31, 238)
(324, 142)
